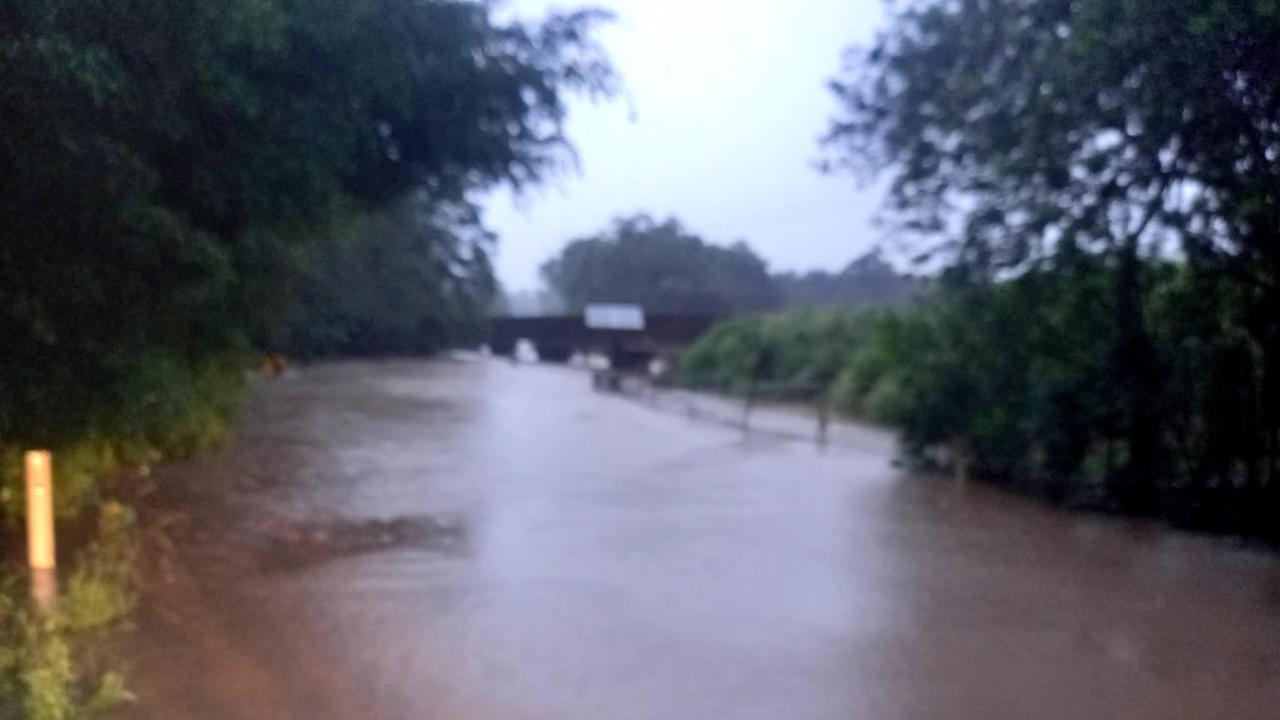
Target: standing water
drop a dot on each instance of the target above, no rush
(462, 540)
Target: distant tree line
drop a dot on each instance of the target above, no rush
(867, 281)
(661, 266)
(666, 268)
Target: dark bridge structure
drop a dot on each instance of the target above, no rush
(558, 337)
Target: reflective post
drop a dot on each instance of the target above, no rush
(41, 552)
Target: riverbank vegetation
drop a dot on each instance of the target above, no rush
(1017, 380)
(53, 663)
(189, 184)
(1102, 180)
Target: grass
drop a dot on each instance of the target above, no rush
(50, 666)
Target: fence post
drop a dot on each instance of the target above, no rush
(746, 408)
(960, 464)
(824, 417)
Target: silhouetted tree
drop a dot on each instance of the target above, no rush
(661, 267)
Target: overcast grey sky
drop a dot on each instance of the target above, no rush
(727, 100)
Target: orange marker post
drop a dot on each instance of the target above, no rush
(41, 551)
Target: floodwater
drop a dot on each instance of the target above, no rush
(475, 540)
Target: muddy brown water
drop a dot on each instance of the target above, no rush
(473, 540)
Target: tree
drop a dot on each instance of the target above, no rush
(169, 165)
(661, 267)
(413, 279)
(1023, 130)
(867, 281)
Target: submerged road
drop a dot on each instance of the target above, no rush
(473, 540)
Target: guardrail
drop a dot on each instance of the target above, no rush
(803, 405)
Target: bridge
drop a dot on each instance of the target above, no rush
(558, 337)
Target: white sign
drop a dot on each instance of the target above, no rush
(614, 317)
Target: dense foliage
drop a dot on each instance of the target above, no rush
(800, 349)
(1043, 137)
(171, 167)
(1105, 179)
(661, 267)
(184, 182)
(410, 280)
(1016, 381)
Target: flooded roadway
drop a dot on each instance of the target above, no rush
(588, 557)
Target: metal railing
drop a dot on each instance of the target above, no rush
(791, 410)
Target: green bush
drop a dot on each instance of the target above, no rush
(1030, 383)
(802, 349)
(170, 411)
(48, 667)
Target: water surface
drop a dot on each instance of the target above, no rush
(603, 559)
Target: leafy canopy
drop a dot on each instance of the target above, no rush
(662, 267)
(1055, 147)
(1096, 122)
(166, 165)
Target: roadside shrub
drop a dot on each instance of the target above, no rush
(1028, 382)
(49, 664)
(173, 410)
(806, 348)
